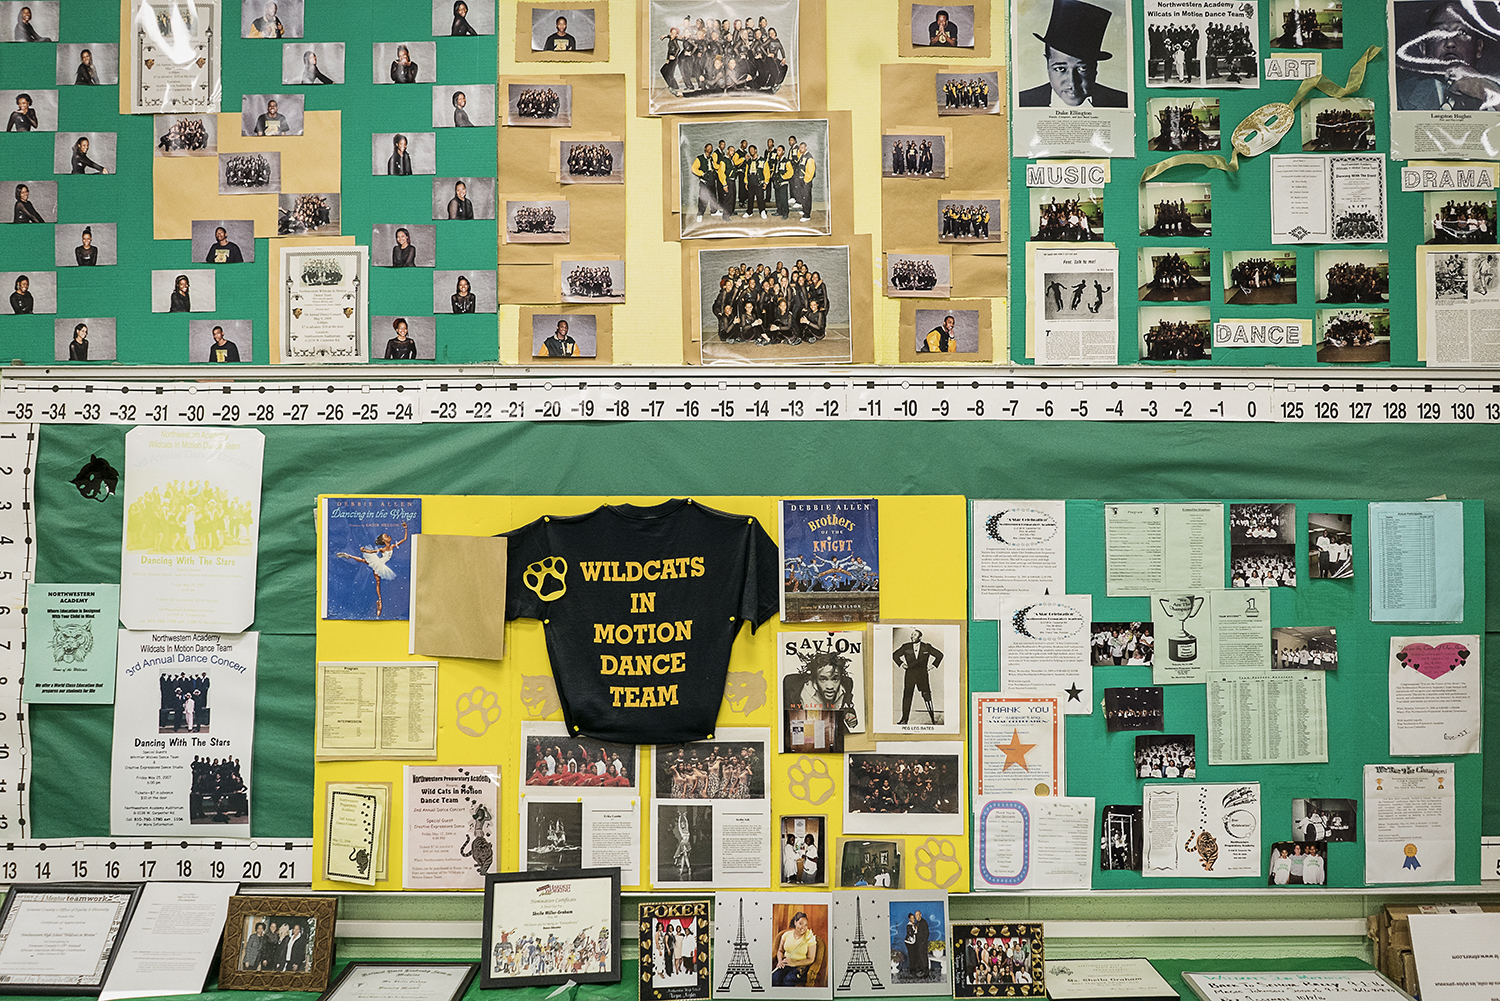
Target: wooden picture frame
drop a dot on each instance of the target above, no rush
(450, 984)
(22, 918)
(312, 918)
(576, 902)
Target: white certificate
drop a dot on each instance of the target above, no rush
(1017, 746)
(62, 937)
(1435, 695)
(325, 304)
(172, 939)
(1044, 649)
(1456, 954)
(191, 528)
(1409, 823)
(1020, 547)
(174, 49)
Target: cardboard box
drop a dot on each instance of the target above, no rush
(1391, 933)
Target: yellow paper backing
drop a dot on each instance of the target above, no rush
(923, 564)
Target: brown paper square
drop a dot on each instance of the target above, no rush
(455, 610)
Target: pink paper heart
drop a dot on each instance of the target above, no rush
(1433, 661)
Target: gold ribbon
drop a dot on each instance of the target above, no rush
(1255, 123)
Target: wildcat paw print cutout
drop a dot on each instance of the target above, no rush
(938, 864)
(478, 710)
(809, 781)
(541, 575)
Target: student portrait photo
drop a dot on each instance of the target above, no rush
(947, 331)
(403, 245)
(398, 154)
(31, 21)
(403, 338)
(564, 335)
(89, 64)
(942, 27)
(30, 292)
(185, 291)
(462, 198)
(86, 245)
(405, 62)
(1072, 54)
(35, 201)
(224, 241)
(312, 64)
(83, 153)
(271, 114)
(271, 19)
(81, 339)
(470, 291)
(463, 107)
(558, 31)
(220, 342)
(30, 110)
(458, 19)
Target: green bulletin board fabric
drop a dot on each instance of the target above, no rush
(79, 540)
(124, 197)
(1241, 203)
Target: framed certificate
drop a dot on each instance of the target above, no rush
(325, 304)
(551, 927)
(362, 981)
(277, 943)
(174, 57)
(61, 938)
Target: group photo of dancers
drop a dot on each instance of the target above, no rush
(1467, 219)
(1304, 648)
(184, 702)
(904, 783)
(1260, 277)
(729, 60)
(299, 215)
(777, 304)
(968, 94)
(1262, 546)
(1165, 756)
(592, 162)
(187, 136)
(1078, 294)
(1307, 24)
(914, 156)
(1188, 52)
(1133, 708)
(536, 222)
(993, 964)
(968, 220)
(917, 275)
(244, 171)
(188, 516)
(1354, 335)
(1353, 276)
(218, 792)
(1330, 545)
(724, 769)
(1181, 124)
(1176, 275)
(1175, 335)
(1346, 125)
(533, 105)
(578, 761)
(1067, 214)
(593, 281)
(736, 184)
(1173, 52)
(1176, 209)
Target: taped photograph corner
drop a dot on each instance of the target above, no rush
(1075, 56)
(715, 56)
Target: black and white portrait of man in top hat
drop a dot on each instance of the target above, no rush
(1073, 48)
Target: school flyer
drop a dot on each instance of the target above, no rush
(71, 655)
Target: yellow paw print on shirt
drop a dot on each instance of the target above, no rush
(540, 574)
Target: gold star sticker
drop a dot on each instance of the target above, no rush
(1015, 752)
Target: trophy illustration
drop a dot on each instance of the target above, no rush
(1182, 649)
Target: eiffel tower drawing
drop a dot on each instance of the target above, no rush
(859, 961)
(740, 961)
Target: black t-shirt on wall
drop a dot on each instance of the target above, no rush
(640, 606)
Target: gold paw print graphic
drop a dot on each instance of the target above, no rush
(538, 577)
(809, 780)
(937, 863)
(478, 710)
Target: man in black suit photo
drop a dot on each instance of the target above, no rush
(1073, 54)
